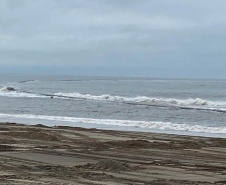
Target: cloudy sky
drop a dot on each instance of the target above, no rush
(156, 38)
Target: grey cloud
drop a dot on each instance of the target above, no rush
(155, 34)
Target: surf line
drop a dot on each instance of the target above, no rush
(132, 103)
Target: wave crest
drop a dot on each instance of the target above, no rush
(140, 99)
(191, 103)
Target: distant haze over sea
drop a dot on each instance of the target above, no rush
(155, 72)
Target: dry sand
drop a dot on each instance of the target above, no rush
(65, 155)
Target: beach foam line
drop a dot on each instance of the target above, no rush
(129, 123)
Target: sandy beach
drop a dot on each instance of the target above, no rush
(67, 155)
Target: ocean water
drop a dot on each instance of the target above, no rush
(178, 106)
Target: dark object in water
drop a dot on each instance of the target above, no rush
(10, 89)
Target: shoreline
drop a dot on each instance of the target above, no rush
(34, 154)
(83, 124)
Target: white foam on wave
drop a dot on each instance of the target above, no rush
(142, 124)
(11, 92)
(193, 103)
(197, 102)
(22, 94)
(7, 89)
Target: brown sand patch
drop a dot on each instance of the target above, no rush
(5, 148)
(130, 144)
(160, 145)
(6, 140)
(109, 165)
(153, 159)
(4, 129)
(179, 145)
(77, 128)
(36, 135)
(41, 126)
(112, 165)
(219, 142)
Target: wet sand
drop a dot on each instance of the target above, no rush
(67, 155)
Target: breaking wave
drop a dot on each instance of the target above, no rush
(142, 124)
(139, 99)
(196, 103)
(12, 92)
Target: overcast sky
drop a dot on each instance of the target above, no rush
(156, 38)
